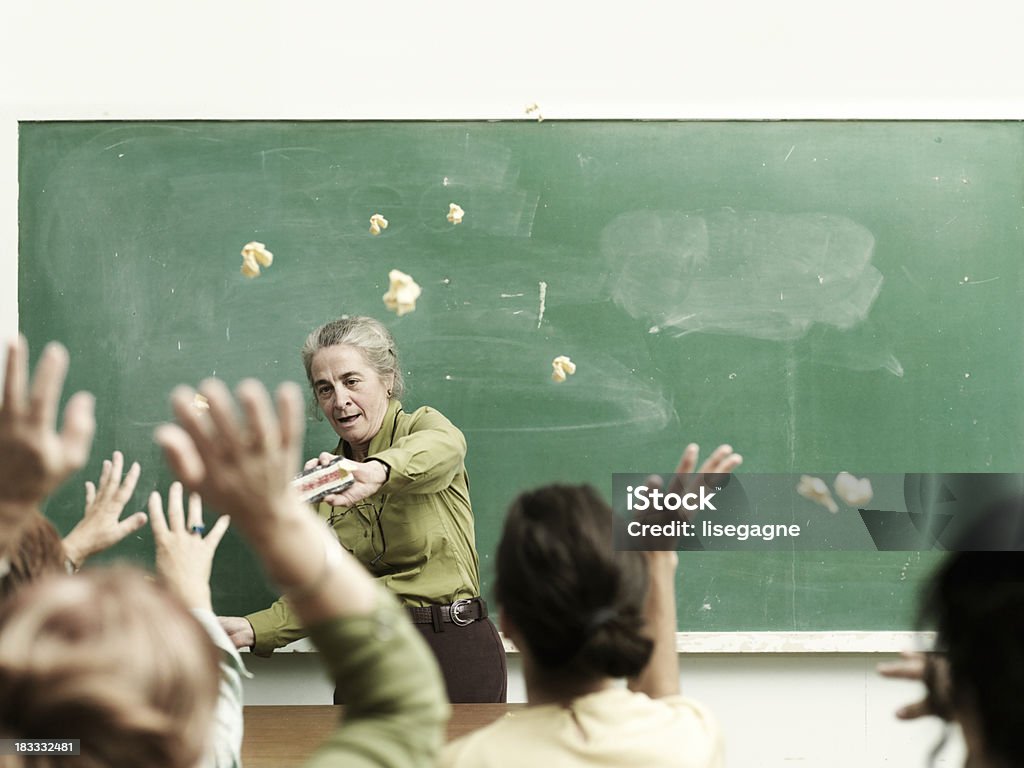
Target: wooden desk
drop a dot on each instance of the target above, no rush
(285, 736)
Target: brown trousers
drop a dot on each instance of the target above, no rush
(472, 661)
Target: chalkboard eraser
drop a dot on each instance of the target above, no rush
(313, 484)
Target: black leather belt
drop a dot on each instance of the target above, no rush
(461, 613)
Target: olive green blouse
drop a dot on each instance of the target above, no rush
(415, 534)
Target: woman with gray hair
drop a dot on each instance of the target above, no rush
(407, 517)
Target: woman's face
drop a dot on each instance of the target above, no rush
(351, 394)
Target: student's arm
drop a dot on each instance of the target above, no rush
(394, 715)
(184, 561)
(101, 526)
(228, 726)
(36, 458)
(661, 675)
(244, 467)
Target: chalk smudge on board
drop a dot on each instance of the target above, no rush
(863, 348)
(283, 153)
(967, 281)
(912, 280)
(501, 367)
(724, 271)
(483, 176)
(543, 297)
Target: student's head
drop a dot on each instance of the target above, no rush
(35, 551)
(975, 601)
(110, 658)
(575, 603)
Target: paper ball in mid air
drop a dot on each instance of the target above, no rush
(455, 213)
(402, 293)
(562, 367)
(255, 255)
(815, 489)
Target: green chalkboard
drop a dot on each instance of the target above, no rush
(824, 295)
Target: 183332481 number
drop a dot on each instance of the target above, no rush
(39, 747)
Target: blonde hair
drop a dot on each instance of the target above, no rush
(35, 551)
(110, 658)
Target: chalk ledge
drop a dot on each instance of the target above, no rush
(761, 642)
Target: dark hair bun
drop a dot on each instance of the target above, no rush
(558, 572)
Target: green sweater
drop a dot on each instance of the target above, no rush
(415, 535)
(396, 711)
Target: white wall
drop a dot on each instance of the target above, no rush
(115, 59)
(317, 59)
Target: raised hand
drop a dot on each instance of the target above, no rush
(241, 466)
(101, 527)
(722, 461)
(932, 670)
(184, 556)
(245, 466)
(36, 458)
(712, 473)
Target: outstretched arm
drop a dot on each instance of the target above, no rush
(423, 461)
(184, 560)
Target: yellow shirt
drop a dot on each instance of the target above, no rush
(612, 728)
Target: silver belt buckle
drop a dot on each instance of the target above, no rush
(453, 613)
